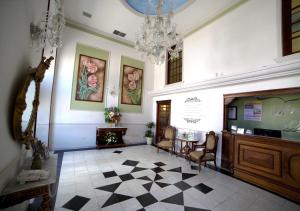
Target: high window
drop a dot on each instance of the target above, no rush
(174, 69)
(290, 27)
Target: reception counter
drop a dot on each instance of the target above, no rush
(271, 163)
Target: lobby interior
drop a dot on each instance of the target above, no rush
(237, 74)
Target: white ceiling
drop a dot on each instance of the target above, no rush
(108, 15)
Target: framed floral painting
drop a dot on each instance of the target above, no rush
(132, 85)
(90, 79)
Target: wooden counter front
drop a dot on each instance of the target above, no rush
(271, 163)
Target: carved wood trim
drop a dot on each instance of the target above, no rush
(25, 137)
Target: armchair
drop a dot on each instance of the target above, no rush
(208, 150)
(168, 141)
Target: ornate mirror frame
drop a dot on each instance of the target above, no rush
(25, 136)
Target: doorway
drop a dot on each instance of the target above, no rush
(163, 117)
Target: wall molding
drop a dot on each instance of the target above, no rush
(97, 124)
(263, 73)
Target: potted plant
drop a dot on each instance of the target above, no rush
(149, 132)
(112, 115)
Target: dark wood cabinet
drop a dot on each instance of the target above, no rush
(227, 160)
(271, 163)
(102, 135)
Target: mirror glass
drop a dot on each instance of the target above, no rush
(29, 100)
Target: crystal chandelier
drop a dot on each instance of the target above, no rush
(157, 36)
(49, 29)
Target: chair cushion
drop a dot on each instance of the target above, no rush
(210, 142)
(195, 155)
(165, 144)
(170, 133)
(209, 156)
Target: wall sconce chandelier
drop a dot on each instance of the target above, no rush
(49, 29)
(157, 36)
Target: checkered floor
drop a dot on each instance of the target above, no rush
(137, 178)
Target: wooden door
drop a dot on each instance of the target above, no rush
(163, 116)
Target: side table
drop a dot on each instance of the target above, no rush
(102, 132)
(15, 193)
(184, 150)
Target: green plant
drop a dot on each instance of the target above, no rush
(149, 132)
(111, 138)
(111, 114)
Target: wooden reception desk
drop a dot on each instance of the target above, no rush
(271, 163)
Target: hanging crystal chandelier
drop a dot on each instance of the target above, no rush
(49, 29)
(157, 37)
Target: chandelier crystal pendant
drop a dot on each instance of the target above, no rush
(49, 29)
(157, 37)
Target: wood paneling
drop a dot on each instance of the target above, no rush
(258, 158)
(269, 162)
(227, 159)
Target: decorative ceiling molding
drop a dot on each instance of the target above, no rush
(93, 31)
(264, 73)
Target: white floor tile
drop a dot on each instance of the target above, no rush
(82, 172)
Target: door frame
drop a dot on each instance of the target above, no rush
(158, 103)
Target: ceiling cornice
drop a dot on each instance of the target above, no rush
(93, 31)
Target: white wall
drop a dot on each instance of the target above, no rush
(72, 129)
(16, 57)
(241, 45)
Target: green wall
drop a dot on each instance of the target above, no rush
(271, 117)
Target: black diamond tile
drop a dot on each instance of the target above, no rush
(157, 169)
(130, 163)
(203, 188)
(145, 178)
(118, 151)
(109, 174)
(141, 209)
(195, 167)
(76, 203)
(146, 199)
(110, 188)
(136, 169)
(157, 177)
(115, 198)
(175, 199)
(162, 184)
(187, 175)
(176, 170)
(126, 177)
(193, 209)
(182, 185)
(160, 164)
(148, 186)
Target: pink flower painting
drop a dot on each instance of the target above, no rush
(90, 79)
(132, 85)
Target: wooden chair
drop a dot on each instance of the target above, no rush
(168, 141)
(208, 152)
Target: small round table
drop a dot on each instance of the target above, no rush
(186, 148)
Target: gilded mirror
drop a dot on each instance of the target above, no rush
(27, 104)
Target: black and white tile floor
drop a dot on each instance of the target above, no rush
(137, 178)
